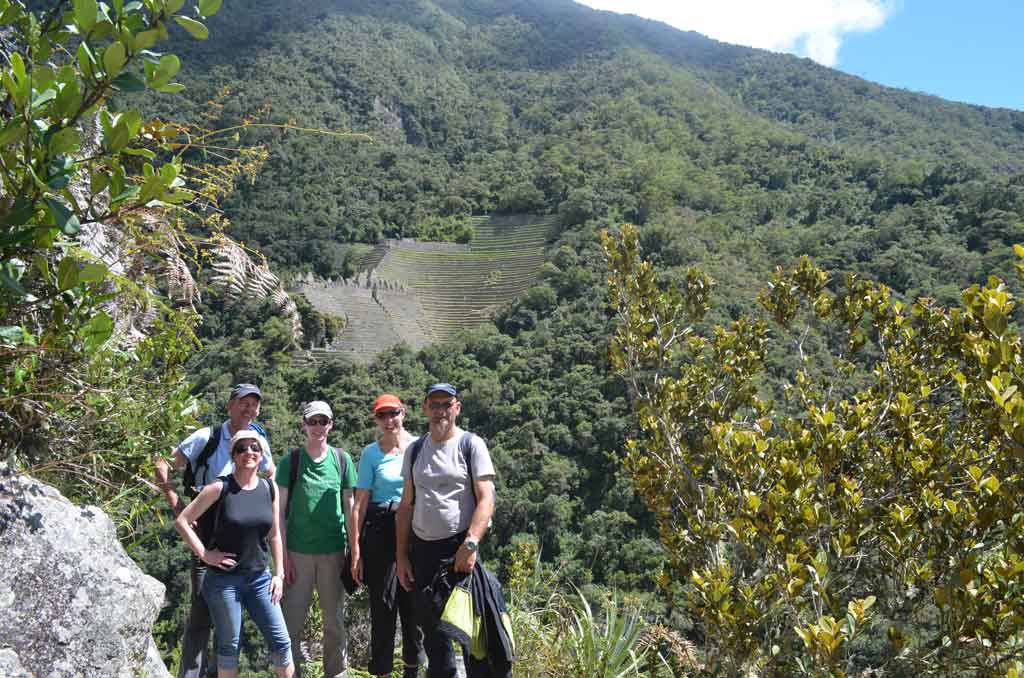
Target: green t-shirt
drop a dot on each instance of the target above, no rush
(316, 521)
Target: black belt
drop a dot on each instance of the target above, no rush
(385, 506)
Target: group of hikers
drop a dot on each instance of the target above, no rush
(407, 524)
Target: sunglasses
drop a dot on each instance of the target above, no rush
(443, 407)
(318, 421)
(387, 414)
(248, 447)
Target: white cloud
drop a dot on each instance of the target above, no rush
(811, 28)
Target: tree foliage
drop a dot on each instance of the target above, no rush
(91, 353)
(892, 505)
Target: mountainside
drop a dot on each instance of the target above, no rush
(732, 159)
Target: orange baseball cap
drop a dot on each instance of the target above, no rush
(387, 400)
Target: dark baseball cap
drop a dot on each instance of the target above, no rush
(442, 388)
(242, 390)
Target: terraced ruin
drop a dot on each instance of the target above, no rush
(425, 292)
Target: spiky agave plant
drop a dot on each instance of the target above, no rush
(605, 650)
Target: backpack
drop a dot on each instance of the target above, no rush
(465, 447)
(203, 460)
(293, 474)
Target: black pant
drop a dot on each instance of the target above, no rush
(195, 655)
(426, 561)
(387, 598)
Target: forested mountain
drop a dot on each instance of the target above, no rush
(729, 158)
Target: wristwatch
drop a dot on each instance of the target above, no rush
(471, 545)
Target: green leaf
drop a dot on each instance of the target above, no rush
(173, 6)
(85, 14)
(127, 193)
(98, 330)
(159, 75)
(14, 132)
(171, 88)
(12, 284)
(69, 98)
(18, 67)
(196, 29)
(93, 273)
(67, 274)
(208, 8)
(128, 82)
(86, 60)
(132, 122)
(15, 238)
(117, 139)
(22, 211)
(98, 181)
(64, 218)
(63, 142)
(141, 152)
(44, 97)
(43, 266)
(146, 39)
(114, 58)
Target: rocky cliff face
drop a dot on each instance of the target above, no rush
(72, 603)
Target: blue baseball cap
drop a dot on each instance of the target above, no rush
(442, 388)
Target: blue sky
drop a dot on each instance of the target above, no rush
(956, 49)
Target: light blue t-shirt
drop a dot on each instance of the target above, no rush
(380, 473)
(220, 463)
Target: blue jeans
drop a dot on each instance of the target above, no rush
(226, 593)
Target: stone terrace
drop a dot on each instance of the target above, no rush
(424, 292)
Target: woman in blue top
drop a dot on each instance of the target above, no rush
(372, 541)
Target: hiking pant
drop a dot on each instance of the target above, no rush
(195, 657)
(322, 572)
(426, 561)
(388, 600)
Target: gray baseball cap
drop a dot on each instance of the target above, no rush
(242, 390)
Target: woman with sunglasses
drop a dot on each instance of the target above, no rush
(372, 541)
(245, 529)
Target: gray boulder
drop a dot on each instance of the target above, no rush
(72, 603)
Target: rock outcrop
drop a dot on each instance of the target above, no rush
(72, 602)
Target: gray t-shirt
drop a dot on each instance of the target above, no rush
(220, 463)
(445, 501)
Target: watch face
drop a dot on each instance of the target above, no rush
(471, 545)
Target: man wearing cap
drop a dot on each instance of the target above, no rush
(207, 451)
(316, 483)
(446, 507)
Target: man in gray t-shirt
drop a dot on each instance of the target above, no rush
(444, 513)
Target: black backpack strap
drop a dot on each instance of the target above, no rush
(203, 460)
(218, 510)
(466, 448)
(294, 460)
(414, 453)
